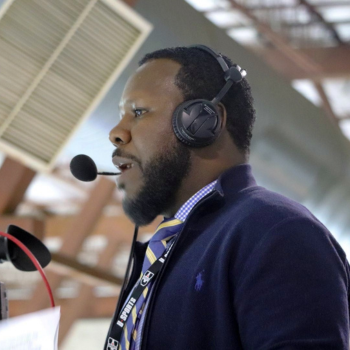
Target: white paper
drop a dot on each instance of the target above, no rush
(34, 331)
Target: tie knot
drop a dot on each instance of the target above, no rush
(166, 229)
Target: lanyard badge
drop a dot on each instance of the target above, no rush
(117, 329)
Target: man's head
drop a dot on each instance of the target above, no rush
(201, 77)
(161, 171)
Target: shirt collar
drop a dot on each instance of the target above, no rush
(186, 208)
(229, 183)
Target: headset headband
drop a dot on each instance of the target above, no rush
(219, 58)
(233, 74)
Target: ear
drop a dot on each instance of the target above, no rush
(223, 114)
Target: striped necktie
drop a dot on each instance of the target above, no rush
(166, 230)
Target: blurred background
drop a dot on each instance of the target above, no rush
(63, 65)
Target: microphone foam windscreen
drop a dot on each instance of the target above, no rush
(83, 168)
(20, 259)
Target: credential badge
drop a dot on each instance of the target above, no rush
(112, 344)
(146, 278)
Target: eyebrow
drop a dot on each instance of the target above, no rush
(127, 103)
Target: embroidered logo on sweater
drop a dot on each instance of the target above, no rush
(199, 281)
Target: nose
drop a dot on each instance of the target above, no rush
(119, 135)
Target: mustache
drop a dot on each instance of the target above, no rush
(119, 153)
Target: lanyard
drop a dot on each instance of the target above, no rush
(117, 329)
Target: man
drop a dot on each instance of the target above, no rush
(245, 268)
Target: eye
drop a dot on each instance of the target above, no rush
(138, 112)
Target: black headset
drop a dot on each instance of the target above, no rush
(198, 123)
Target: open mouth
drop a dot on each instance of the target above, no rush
(124, 167)
(123, 164)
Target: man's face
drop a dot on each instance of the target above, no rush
(152, 160)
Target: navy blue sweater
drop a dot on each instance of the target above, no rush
(251, 270)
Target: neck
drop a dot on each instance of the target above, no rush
(206, 166)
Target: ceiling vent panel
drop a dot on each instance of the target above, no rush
(57, 61)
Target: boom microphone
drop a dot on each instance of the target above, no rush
(9, 251)
(84, 168)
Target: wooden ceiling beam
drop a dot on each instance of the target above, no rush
(84, 223)
(86, 292)
(302, 61)
(70, 267)
(33, 225)
(15, 178)
(299, 59)
(98, 307)
(326, 104)
(81, 226)
(334, 62)
(283, 24)
(330, 3)
(109, 226)
(131, 3)
(272, 7)
(314, 11)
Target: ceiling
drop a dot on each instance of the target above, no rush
(307, 41)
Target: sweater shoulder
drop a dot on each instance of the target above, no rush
(260, 216)
(261, 205)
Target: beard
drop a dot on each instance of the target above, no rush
(162, 177)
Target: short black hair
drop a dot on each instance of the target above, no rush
(201, 76)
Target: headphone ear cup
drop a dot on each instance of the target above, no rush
(197, 123)
(175, 122)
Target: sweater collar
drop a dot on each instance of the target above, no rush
(235, 180)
